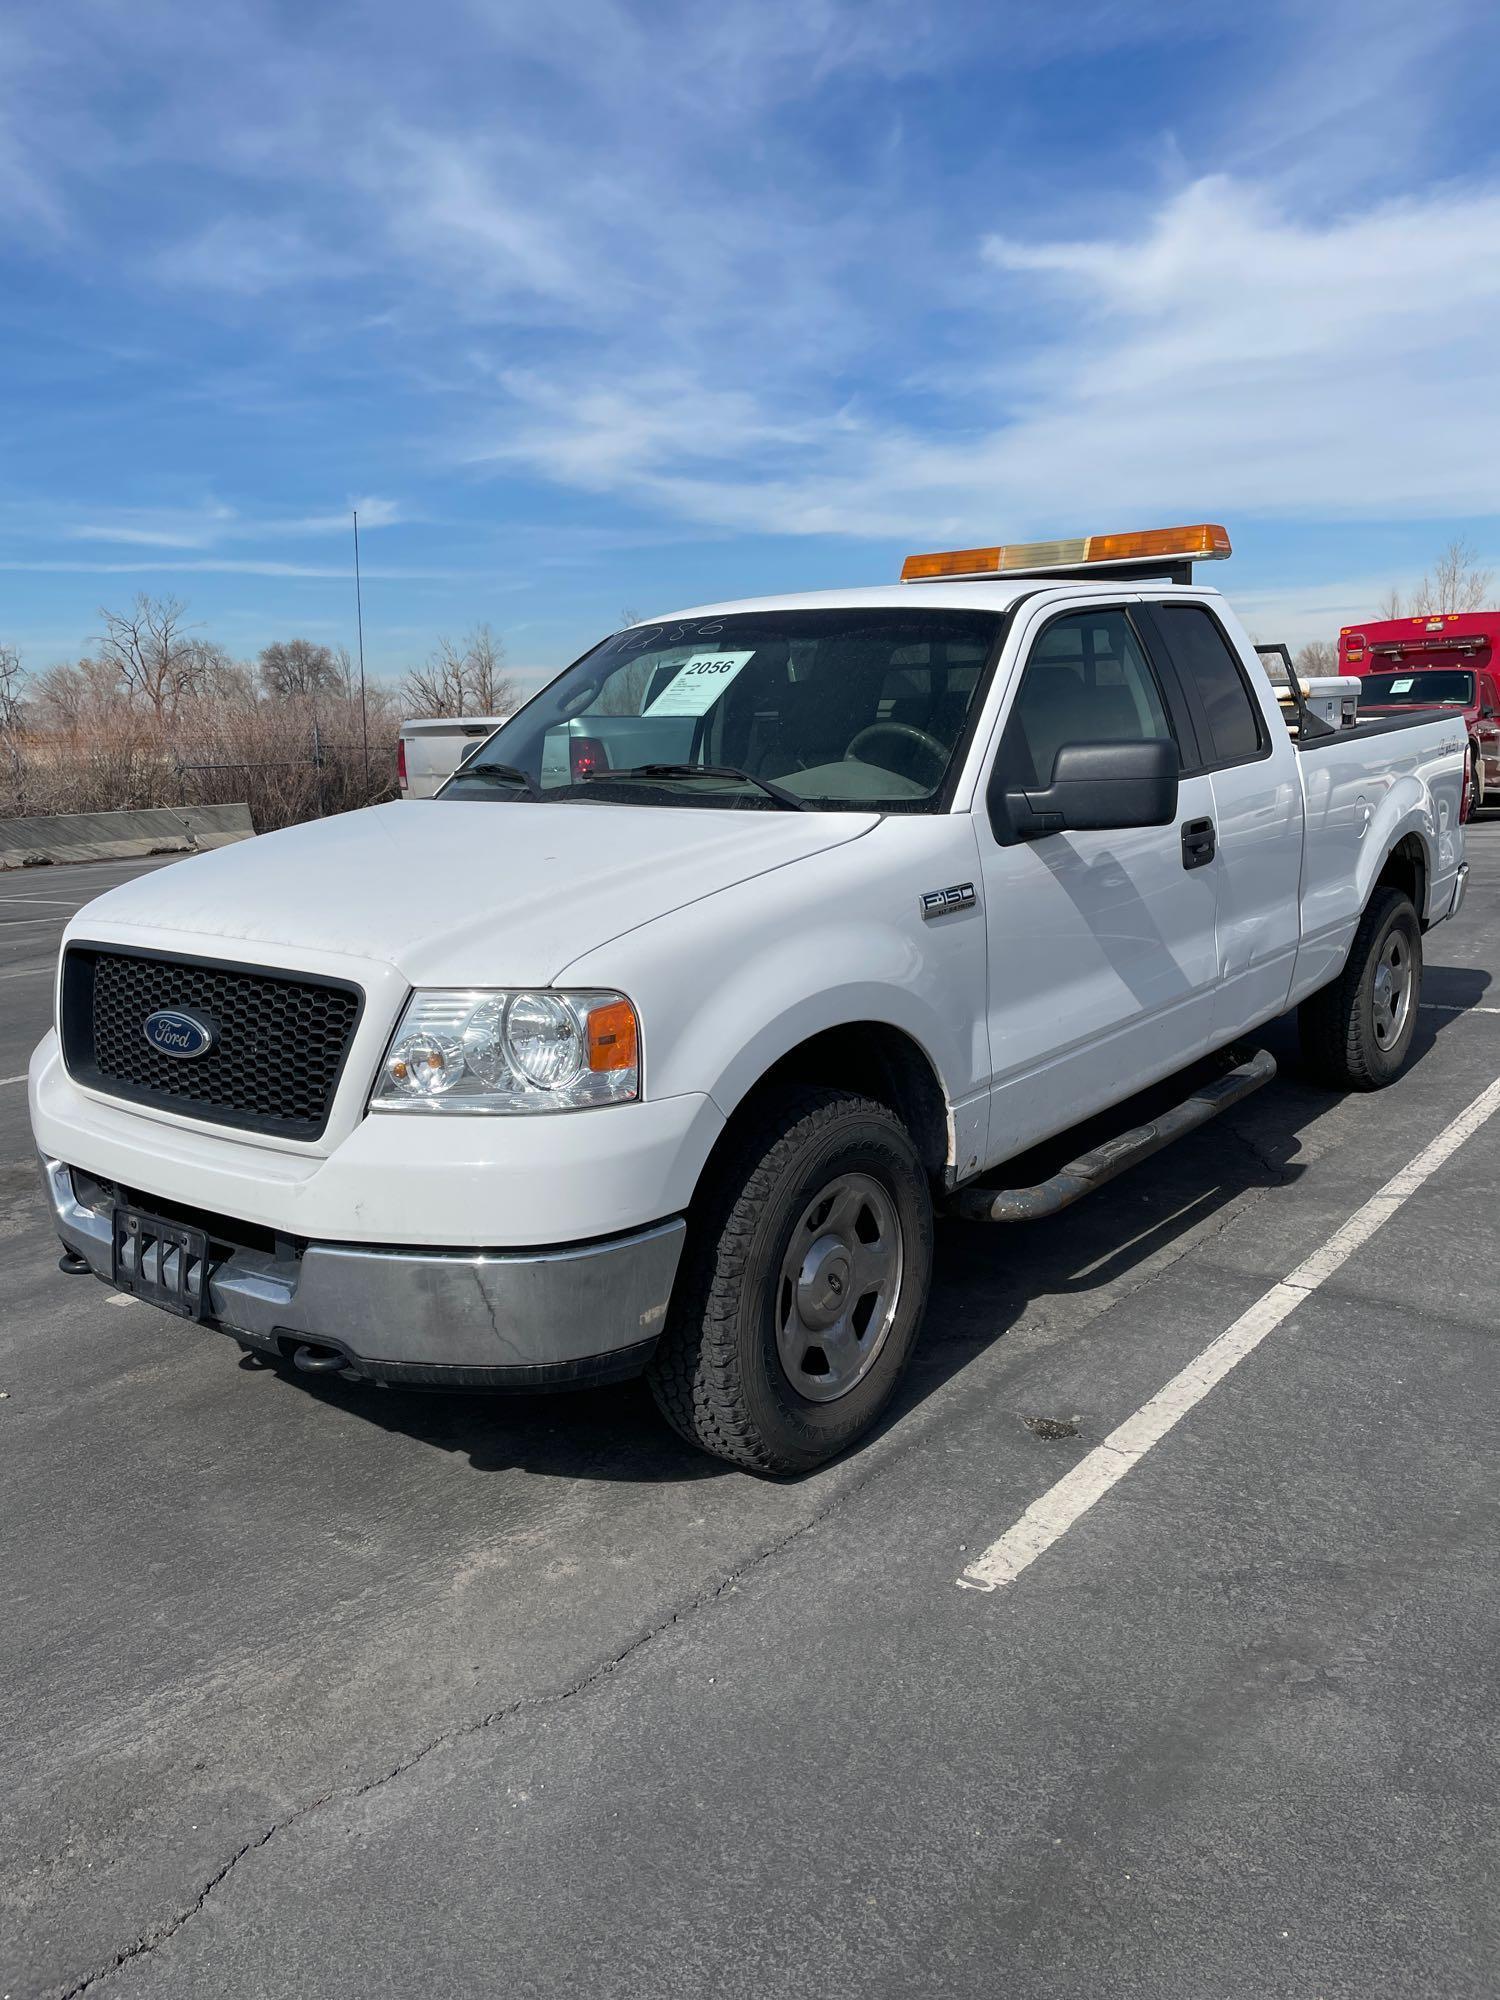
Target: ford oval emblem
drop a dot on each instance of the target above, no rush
(172, 1031)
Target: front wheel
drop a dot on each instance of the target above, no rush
(1357, 1033)
(803, 1286)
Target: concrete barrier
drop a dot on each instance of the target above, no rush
(120, 836)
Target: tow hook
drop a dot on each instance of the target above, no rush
(318, 1360)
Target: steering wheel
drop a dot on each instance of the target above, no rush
(909, 733)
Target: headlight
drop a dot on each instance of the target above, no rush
(511, 1052)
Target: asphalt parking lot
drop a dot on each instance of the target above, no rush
(316, 1690)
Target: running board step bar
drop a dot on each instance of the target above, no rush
(1091, 1170)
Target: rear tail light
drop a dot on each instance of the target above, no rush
(588, 755)
(401, 762)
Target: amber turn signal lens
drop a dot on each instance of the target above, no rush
(956, 562)
(1204, 541)
(613, 1039)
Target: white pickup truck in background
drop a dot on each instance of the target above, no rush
(430, 748)
(763, 931)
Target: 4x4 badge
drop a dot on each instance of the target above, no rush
(938, 902)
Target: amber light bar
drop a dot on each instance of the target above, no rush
(1203, 542)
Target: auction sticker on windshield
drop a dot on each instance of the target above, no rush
(700, 683)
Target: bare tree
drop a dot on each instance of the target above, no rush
(1390, 605)
(12, 723)
(1318, 656)
(1457, 583)
(437, 686)
(488, 686)
(462, 680)
(68, 696)
(11, 677)
(153, 656)
(299, 667)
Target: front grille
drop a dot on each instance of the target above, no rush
(281, 1038)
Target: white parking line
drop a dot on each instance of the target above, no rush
(33, 971)
(13, 1079)
(1050, 1518)
(1426, 1006)
(58, 902)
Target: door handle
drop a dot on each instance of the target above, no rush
(1198, 843)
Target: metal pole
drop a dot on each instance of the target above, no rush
(359, 612)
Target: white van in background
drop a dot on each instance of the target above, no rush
(430, 749)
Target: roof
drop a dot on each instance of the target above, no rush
(1415, 631)
(997, 594)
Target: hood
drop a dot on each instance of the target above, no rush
(459, 893)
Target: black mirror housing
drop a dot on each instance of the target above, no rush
(1100, 787)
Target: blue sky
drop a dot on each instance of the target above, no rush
(594, 306)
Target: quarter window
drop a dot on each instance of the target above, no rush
(1201, 654)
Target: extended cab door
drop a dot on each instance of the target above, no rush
(1251, 764)
(1102, 956)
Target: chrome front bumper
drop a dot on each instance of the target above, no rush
(480, 1318)
(1460, 889)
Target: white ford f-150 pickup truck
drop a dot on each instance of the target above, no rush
(653, 1042)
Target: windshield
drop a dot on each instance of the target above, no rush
(829, 711)
(1422, 690)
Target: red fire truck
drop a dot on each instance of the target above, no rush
(1447, 660)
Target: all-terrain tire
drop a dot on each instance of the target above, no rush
(717, 1374)
(1340, 1042)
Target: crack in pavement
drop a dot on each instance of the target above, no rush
(1281, 1169)
(150, 1940)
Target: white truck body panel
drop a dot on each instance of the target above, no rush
(433, 746)
(1087, 966)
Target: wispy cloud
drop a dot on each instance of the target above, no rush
(251, 255)
(614, 278)
(227, 566)
(215, 524)
(1226, 355)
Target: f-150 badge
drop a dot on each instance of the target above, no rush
(939, 902)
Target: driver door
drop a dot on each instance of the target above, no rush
(1103, 960)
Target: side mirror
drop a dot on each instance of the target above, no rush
(1097, 787)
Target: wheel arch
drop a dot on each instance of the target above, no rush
(872, 1057)
(1406, 868)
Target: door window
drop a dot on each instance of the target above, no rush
(1087, 681)
(1202, 656)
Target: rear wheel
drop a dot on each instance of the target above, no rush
(1473, 782)
(1357, 1033)
(803, 1286)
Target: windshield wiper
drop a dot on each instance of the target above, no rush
(732, 772)
(500, 774)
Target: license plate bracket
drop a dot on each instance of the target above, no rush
(155, 1260)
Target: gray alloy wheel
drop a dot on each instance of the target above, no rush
(839, 1288)
(1392, 989)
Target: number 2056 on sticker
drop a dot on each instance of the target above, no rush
(698, 683)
